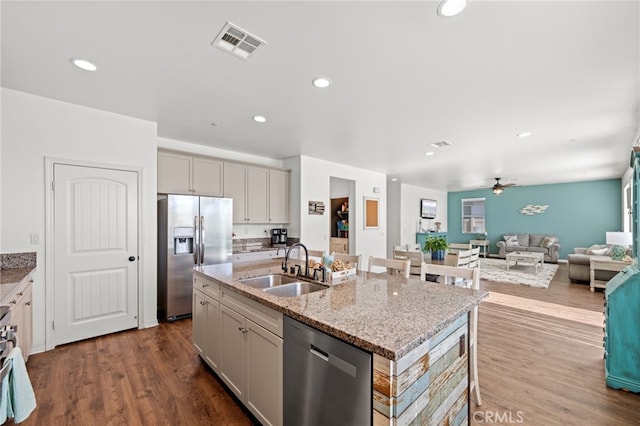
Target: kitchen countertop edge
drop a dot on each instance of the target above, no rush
(228, 275)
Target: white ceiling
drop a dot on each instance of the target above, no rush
(569, 72)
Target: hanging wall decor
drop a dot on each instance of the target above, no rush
(371, 218)
(316, 207)
(531, 209)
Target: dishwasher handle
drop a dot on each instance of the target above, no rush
(319, 353)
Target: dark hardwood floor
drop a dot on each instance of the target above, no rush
(540, 363)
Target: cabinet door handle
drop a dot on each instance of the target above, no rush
(242, 329)
(20, 294)
(28, 304)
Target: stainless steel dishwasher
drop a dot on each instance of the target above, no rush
(326, 381)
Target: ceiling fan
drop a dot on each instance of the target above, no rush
(498, 188)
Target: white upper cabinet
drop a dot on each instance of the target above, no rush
(174, 173)
(260, 195)
(257, 195)
(207, 177)
(278, 196)
(235, 182)
(185, 174)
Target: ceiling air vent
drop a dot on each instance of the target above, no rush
(237, 41)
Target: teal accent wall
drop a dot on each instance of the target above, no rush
(579, 213)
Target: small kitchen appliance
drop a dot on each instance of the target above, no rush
(279, 236)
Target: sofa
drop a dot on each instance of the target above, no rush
(579, 267)
(549, 244)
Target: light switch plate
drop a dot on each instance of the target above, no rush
(35, 238)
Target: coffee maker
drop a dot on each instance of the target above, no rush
(279, 236)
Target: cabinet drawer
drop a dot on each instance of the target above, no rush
(256, 312)
(208, 287)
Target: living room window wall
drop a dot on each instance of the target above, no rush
(473, 215)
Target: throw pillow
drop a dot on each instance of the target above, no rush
(597, 249)
(511, 240)
(547, 242)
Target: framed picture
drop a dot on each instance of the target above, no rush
(371, 213)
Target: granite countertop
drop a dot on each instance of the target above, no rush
(384, 314)
(14, 269)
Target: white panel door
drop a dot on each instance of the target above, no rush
(95, 252)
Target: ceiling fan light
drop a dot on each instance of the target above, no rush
(498, 190)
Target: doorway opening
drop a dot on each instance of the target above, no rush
(341, 223)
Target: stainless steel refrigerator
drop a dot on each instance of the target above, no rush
(192, 231)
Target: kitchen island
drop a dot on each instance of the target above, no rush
(418, 333)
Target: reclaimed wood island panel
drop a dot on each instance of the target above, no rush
(418, 333)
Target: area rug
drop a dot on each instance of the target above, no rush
(496, 270)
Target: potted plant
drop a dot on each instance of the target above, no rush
(437, 246)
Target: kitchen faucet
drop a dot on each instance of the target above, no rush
(306, 259)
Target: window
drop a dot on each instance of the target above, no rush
(473, 216)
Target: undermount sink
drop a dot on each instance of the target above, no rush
(295, 289)
(268, 281)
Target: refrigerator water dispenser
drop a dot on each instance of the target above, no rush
(183, 240)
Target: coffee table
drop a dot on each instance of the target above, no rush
(528, 258)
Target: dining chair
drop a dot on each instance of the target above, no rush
(353, 259)
(394, 266)
(415, 257)
(459, 246)
(471, 276)
(414, 247)
(457, 258)
(474, 259)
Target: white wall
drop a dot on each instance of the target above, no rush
(404, 212)
(35, 127)
(411, 196)
(394, 215)
(315, 177)
(294, 164)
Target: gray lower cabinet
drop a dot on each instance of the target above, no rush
(242, 342)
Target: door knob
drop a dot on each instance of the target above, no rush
(132, 258)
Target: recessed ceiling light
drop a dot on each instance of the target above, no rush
(394, 179)
(259, 118)
(524, 134)
(449, 8)
(321, 82)
(83, 64)
(429, 153)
